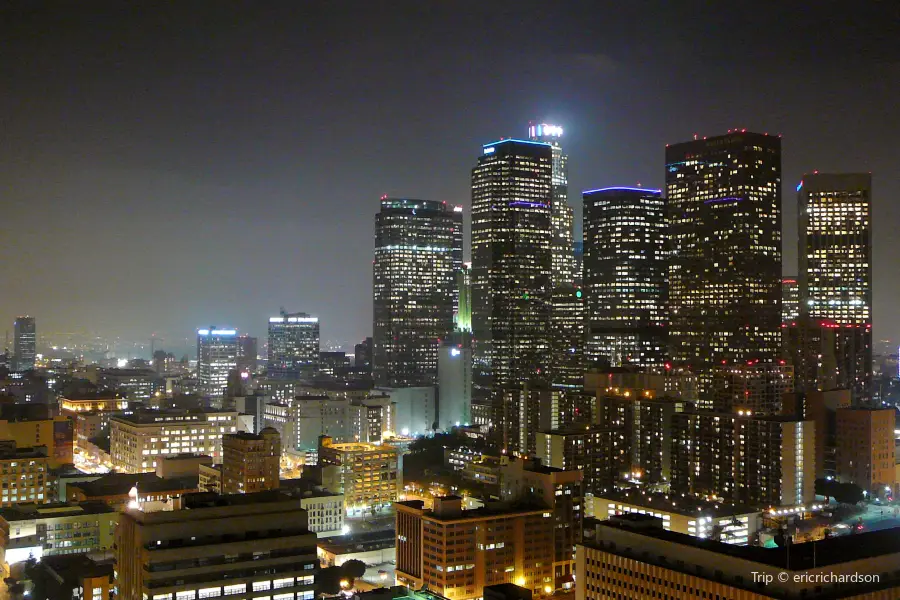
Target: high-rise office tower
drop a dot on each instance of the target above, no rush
(463, 316)
(217, 356)
(724, 209)
(418, 253)
(625, 274)
(835, 222)
(24, 344)
(578, 249)
(790, 300)
(293, 345)
(561, 216)
(511, 261)
(248, 351)
(567, 336)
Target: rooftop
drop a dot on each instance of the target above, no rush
(795, 557)
(72, 568)
(370, 540)
(151, 417)
(22, 512)
(672, 503)
(491, 509)
(119, 484)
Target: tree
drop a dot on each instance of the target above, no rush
(328, 581)
(354, 569)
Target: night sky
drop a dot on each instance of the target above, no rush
(191, 164)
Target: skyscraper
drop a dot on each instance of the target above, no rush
(835, 221)
(625, 274)
(567, 336)
(418, 254)
(790, 300)
(511, 261)
(217, 355)
(724, 210)
(562, 220)
(247, 354)
(293, 345)
(24, 343)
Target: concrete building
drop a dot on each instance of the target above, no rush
(758, 388)
(723, 522)
(598, 452)
(76, 577)
(134, 384)
(759, 461)
(368, 475)
(25, 475)
(234, 545)
(645, 422)
(217, 358)
(865, 447)
(416, 409)
(454, 385)
(324, 508)
(821, 408)
(42, 530)
(456, 552)
(120, 490)
(24, 343)
(138, 440)
(293, 346)
(563, 492)
(55, 433)
(633, 557)
(250, 462)
(372, 548)
(301, 420)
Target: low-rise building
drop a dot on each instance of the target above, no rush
(633, 557)
(324, 508)
(725, 522)
(41, 530)
(372, 548)
(367, 475)
(146, 490)
(25, 475)
(457, 552)
(56, 433)
(75, 577)
(250, 462)
(242, 545)
(137, 441)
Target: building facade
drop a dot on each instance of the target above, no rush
(418, 254)
(24, 343)
(625, 276)
(217, 356)
(39, 530)
(790, 299)
(724, 208)
(567, 364)
(511, 262)
(137, 441)
(293, 346)
(755, 461)
(214, 545)
(456, 552)
(562, 272)
(368, 475)
(251, 462)
(633, 557)
(835, 249)
(25, 475)
(865, 447)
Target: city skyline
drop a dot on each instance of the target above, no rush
(167, 182)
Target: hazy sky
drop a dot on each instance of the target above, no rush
(186, 164)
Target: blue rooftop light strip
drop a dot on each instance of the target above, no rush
(625, 189)
(800, 185)
(728, 199)
(516, 141)
(530, 204)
